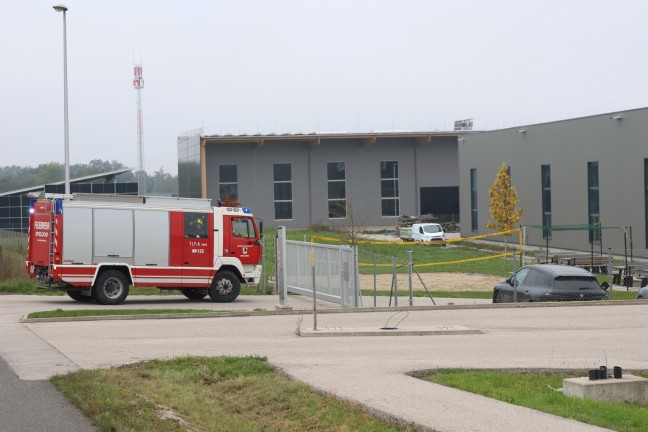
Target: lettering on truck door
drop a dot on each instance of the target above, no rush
(242, 239)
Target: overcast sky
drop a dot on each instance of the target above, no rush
(302, 66)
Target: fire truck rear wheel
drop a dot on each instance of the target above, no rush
(111, 288)
(194, 294)
(225, 287)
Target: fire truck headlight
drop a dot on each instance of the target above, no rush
(31, 210)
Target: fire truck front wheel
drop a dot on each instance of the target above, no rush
(225, 287)
(111, 288)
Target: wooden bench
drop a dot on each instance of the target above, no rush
(594, 263)
(552, 258)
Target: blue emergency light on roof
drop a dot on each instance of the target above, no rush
(59, 206)
(246, 210)
(31, 205)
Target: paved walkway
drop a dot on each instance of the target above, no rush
(368, 370)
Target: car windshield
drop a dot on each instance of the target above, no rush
(432, 228)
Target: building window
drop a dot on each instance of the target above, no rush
(593, 201)
(546, 201)
(389, 188)
(336, 176)
(282, 175)
(473, 200)
(228, 182)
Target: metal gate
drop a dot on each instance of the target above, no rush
(335, 271)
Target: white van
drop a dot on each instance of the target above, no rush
(423, 232)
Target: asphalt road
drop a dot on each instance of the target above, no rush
(36, 406)
(368, 370)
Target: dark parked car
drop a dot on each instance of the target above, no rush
(549, 282)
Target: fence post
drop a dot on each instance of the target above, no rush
(356, 277)
(395, 282)
(409, 275)
(280, 251)
(514, 282)
(610, 277)
(374, 275)
(312, 258)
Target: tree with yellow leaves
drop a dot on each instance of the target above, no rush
(503, 202)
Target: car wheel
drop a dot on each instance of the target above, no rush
(497, 297)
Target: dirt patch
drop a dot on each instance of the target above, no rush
(434, 282)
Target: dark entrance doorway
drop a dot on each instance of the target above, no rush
(442, 202)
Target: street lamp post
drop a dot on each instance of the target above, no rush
(63, 8)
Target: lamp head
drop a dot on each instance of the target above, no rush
(60, 8)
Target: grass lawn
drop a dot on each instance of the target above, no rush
(60, 313)
(215, 394)
(531, 390)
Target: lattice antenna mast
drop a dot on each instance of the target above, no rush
(138, 84)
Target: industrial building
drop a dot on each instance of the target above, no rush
(584, 171)
(297, 180)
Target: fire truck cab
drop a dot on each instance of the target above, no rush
(95, 246)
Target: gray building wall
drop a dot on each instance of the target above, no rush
(620, 147)
(427, 164)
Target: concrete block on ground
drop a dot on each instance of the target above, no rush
(630, 388)
(377, 331)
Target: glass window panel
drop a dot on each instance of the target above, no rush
(283, 191)
(195, 225)
(282, 172)
(336, 190)
(388, 188)
(335, 170)
(592, 174)
(283, 210)
(389, 207)
(228, 191)
(337, 209)
(546, 200)
(593, 201)
(388, 169)
(242, 227)
(546, 176)
(227, 174)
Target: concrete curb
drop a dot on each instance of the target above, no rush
(228, 314)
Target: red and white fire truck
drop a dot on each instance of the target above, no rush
(95, 246)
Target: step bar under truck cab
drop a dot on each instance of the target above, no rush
(95, 246)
